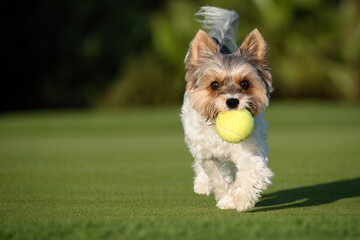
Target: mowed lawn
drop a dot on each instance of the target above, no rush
(128, 175)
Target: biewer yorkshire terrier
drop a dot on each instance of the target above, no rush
(223, 77)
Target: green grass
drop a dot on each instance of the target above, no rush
(127, 175)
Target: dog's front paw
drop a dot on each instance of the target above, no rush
(227, 202)
(243, 201)
(202, 185)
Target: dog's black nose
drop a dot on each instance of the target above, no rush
(232, 102)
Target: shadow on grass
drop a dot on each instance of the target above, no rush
(310, 196)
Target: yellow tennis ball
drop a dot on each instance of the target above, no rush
(235, 126)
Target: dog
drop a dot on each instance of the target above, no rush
(220, 76)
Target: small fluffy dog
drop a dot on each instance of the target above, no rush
(222, 77)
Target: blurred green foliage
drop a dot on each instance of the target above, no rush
(116, 54)
(314, 50)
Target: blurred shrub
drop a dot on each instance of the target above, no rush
(314, 47)
(146, 82)
(155, 77)
(314, 50)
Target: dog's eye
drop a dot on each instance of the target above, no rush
(215, 85)
(244, 84)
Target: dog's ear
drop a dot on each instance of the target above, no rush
(200, 47)
(254, 45)
(254, 49)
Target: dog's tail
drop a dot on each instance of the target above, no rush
(222, 24)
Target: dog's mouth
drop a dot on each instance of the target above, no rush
(212, 119)
(250, 110)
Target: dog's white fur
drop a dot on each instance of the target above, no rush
(239, 188)
(235, 173)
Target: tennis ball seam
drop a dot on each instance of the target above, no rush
(241, 139)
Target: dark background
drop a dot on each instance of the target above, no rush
(116, 54)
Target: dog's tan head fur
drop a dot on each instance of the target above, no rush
(221, 82)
